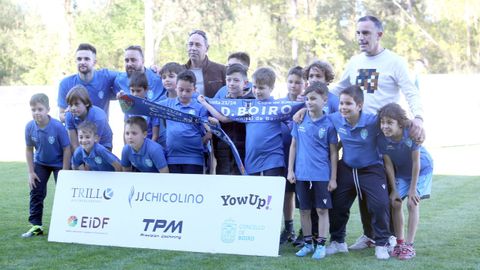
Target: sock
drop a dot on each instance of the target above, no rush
(400, 241)
(308, 239)
(289, 225)
(321, 241)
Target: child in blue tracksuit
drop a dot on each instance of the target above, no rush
(409, 170)
(48, 151)
(360, 173)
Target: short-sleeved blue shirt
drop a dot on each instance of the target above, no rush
(332, 104)
(150, 157)
(99, 159)
(48, 142)
(223, 91)
(100, 88)
(401, 155)
(359, 142)
(184, 141)
(312, 159)
(155, 93)
(97, 116)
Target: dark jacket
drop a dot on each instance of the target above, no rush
(213, 76)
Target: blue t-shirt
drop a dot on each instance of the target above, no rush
(360, 141)
(99, 159)
(312, 159)
(401, 155)
(48, 142)
(155, 93)
(97, 116)
(100, 88)
(150, 157)
(263, 146)
(223, 91)
(184, 141)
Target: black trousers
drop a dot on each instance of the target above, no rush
(38, 193)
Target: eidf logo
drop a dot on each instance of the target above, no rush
(72, 221)
(88, 222)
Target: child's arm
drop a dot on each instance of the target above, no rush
(155, 132)
(291, 161)
(412, 192)
(332, 184)
(299, 115)
(208, 134)
(67, 156)
(212, 110)
(127, 169)
(164, 170)
(390, 171)
(73, 136)
(32, 176)
(117, 166)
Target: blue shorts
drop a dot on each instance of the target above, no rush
(424, 186)
(313, 194)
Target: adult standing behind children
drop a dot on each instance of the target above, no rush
(210, 76)
(134, 62)
(98, 83)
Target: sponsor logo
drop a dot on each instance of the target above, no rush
(162, 228)
(231, 231)
(163, 197)
(342, 130)
(72, 221)
(247, 200)
(87, 224)
(82, 194)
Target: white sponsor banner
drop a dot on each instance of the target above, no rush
(201, 213)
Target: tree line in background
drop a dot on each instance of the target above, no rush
(277, 33)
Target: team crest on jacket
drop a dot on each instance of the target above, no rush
(321, 132)
(98, 160)
(192, 112)
(148, 162)
(364, 133)
(150, 94)
(409, 142)
(51, 139)
(101, 94)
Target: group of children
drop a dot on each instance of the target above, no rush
(380, 164)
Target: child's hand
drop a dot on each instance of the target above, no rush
(291, 177)
(413, 198)
(301, 98)
(207, 137)
(298, 116)
(332, 185)
(394, 197)
(201, 99)
(213, 120)
(119, 94)
(32, 178)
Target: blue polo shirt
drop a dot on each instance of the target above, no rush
(48, 142)
(100, 88)
(97, 116)
(312, 159)
(401, 155)
(223, 91)
(155, 93)
(149, 158)
(99, 159)
(263, 146)
(184, 141)
(332, 104)
(360, 141)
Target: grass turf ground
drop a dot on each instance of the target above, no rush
(448, 237)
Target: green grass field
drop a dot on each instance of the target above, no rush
(448, 238)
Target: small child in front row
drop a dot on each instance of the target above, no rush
(140, 154)
(52, 153)
(312, 167)
(91, 155)
(409, 170)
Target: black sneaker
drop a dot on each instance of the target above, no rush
(287, 236)
(299, 242)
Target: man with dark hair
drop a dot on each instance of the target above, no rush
(210, 75)
(134, 62)
(98, 82)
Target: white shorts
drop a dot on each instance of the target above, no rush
(424, 186)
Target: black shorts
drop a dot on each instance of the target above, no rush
(289, 187)
(313, 194)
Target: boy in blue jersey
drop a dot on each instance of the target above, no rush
(243, 59)
(98, 83)
(141, 154)
(185, 142)
(313, 168)
(81, 109)
(169, 73)
(91, 156)
(52, 153)
(409, 170)
(360, 173)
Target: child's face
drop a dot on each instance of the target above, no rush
(315, 102)
(87, 139)
(235, 84)
(40, 113)
(295, 85)
(348, 107)
(316, 75)
(261, 91)
(169, 80)
(134, 136)
(78, 108)
(185, 90)
(139, 92)
(390, 127)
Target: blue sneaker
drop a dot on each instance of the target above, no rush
(320, 252)
(307, 248)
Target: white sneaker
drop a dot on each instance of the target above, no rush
(362, 243)
(392, 242)
(336, 247)
(381, 252)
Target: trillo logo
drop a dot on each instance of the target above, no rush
(247, 200)
(91, 194)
